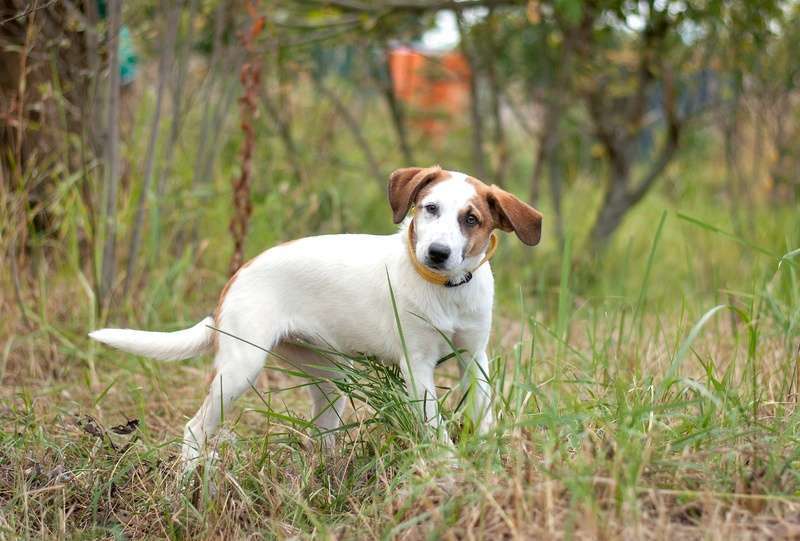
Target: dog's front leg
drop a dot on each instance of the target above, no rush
(476, 378)
(418, 375)
(474, 367)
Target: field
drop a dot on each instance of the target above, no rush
(646, 391)
(645, 388)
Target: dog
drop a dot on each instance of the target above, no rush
(336, 291)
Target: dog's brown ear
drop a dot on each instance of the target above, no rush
(511, 214)
(404, 186)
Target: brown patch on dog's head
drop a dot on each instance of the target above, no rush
(477, 234)
(409, 185)
(496, 208)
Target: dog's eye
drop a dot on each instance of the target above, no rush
(432, 208)
(471, 219)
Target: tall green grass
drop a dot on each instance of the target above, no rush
(607, 408)
(653, 388)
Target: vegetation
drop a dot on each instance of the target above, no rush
(646, 373)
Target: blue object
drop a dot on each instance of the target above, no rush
(128, 61)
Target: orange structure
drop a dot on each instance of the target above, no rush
(434, 86)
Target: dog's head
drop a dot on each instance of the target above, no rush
(455, 216)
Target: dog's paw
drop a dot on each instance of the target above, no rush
(193, 456)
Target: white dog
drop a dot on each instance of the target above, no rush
(333, 291)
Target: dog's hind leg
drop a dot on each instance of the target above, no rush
(237, 367)
(328, 401)
(329, 406)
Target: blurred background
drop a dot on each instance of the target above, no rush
(645, 357)
(144, 139)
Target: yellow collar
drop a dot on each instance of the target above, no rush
(438, 278)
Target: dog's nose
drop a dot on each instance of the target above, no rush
(438, 253)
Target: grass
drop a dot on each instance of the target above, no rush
(651, 393)
(616, 421)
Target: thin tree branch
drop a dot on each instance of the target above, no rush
(92, 47)
(220, 18)
(164, 63)
(355, 129)
(492, 50)
(285, 134)
(182, 57)
(546, 139)
(674, 126)
(28, 11)
(518, 114)
(478, 154)
(652, 37)
(603, 128)
(222, 109)
(109, 261)
(411, 5)
(382, 74)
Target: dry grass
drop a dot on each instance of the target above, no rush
(628, 406)
(592, 445)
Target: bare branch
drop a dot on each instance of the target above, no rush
(491, 51)
(355, 129)
(109, 261)
(412, 5)
(164, 64)
(674, 127)
(223, 107)
(603, 128)
(518, 114)
(652, 37)
(382, 74)
(285, 133)
(467, 49)
(177, 99)
(220, 19)
(28, 11)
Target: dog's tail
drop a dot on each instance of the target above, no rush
(166, 346)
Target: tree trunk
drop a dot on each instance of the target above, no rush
(621, 195)
(730, 130)
(612, 210)
(478, 154)
(495, 89)
(109, 262)
(383, 78)
(548, 136)
(556, 170)
(536, 175)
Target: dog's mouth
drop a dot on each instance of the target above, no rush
(450, 268)
(434, 265)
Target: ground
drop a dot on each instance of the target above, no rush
(615, 420)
